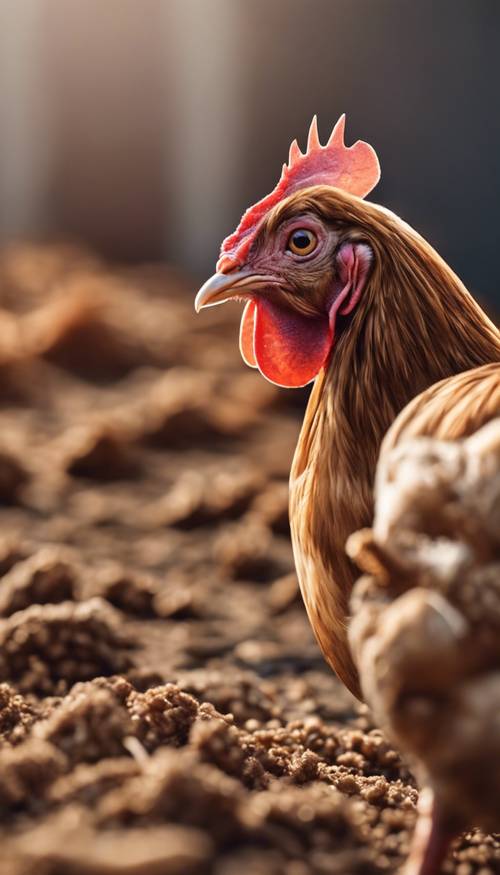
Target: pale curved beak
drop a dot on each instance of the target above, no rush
(225, 286)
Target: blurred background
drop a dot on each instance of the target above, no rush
(145, 128)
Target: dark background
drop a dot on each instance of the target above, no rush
(146, 128)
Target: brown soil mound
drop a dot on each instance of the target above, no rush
(164, 709)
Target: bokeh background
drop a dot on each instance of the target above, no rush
(145, 128)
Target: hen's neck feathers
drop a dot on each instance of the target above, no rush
(415, 325)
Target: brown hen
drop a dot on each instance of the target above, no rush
(344, 292)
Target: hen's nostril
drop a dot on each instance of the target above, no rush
(226, 264)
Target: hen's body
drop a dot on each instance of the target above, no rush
(415, 325)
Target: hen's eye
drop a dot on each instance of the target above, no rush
(302, 242)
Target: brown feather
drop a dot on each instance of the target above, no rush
(415, 325)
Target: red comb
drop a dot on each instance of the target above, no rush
(354, 169)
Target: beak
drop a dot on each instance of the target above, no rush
(225, 286)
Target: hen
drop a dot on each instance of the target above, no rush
(343, 292)
(426, 621)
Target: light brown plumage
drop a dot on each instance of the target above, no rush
(376, 316)
(415, 325)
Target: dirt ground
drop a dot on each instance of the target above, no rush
(164, 709)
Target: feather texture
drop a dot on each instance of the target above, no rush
(415, 325)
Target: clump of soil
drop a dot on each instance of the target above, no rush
(164, 709)
(46, 648)
(44, 577)
(101, 454)
(133, 593)
(13, 476)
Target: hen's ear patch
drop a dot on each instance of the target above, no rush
(354, 169)
(354, 261)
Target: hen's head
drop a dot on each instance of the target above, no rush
(299, 259)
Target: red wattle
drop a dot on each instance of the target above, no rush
(247, 329)
(289, 349)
